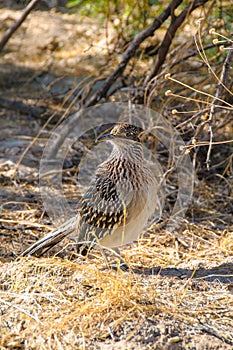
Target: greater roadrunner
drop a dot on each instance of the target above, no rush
(119, 201)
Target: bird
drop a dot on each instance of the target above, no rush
(119, 201)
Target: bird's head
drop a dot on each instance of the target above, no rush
(124, 135)
(122, 131)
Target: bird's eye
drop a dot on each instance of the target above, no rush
(129, 134)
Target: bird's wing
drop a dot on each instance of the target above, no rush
(102, 210)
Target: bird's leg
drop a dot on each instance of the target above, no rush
(122, 264)
(118, 264)
(85, 248)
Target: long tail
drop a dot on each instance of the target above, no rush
(50, 240)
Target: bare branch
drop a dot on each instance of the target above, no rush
(17, 24)
(176, 22)
(195, 52)
(224, 78)
(130, 52)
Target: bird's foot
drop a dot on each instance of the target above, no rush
(119, 266)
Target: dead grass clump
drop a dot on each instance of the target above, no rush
(54, 301)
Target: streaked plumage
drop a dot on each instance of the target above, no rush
(119, 201)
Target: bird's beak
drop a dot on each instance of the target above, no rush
(104, 137)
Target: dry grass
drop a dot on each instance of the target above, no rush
(178, 291)
(63, 303)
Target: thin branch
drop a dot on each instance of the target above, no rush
(195, 52)
(17, 24)
(226, 67)
(176, 22)
(130, 52)
(215, 333)
(222, 82)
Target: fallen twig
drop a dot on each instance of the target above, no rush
(215, 333)
(34, 111)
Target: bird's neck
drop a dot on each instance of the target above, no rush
(129, 150)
